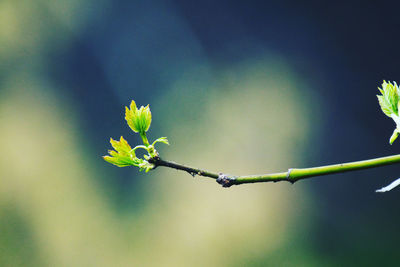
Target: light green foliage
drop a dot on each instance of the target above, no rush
(389, 102)
(139, 121)
(124, 155)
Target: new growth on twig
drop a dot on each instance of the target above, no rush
(139, 120)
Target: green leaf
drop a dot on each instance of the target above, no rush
(385, 106)
(393, 98)
(139, 120)
(123, 155)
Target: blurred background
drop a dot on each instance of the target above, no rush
(241, 87)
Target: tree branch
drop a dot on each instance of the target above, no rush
(292, 175)
(157, 161)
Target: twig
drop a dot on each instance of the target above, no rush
(157, 161)
(292, 175)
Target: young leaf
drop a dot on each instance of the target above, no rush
(139, 120)
(123, 155)
(385, 106)
(390, 103)
(161, 140)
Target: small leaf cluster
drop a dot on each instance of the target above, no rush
(139, 121)
(390, 105)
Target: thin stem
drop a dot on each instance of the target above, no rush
(144, 138)
(292, 175)
(149, 148)
(192, 171)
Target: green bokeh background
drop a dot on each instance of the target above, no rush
(229, 96)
